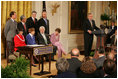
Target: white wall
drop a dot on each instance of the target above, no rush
(60, 19)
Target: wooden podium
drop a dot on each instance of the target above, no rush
(100, 34)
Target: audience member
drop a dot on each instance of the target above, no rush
(88, 69)
(74, 62)
(110, 69)
(101, 59)
(111, 56)
(62, 66)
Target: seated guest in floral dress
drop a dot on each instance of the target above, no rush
(19, 39)
(30, 38)
(55, 41)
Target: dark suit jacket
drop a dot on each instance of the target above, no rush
(30, 40)
(74, 64)
(41, 22)
(87, 26)
(113, 30)
(95, 74)
(21, 26)
(66, 75)
(40, 39)
(113, 40)
(99, 62)
(30, 24)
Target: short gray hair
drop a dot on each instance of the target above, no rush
(22, 17)
(62, 64)
(41, 27)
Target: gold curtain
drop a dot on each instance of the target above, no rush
(20, 7)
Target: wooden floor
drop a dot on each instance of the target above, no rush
(46, 66)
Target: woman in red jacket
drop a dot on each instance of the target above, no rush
(19, 39)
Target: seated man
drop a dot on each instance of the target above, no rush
(101, 59)
(43, 39)
(62, 66)
(74, 62)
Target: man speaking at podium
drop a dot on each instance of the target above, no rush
(89, 26)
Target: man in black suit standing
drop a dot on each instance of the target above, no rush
(89, 26)
(44, 22)
(74, 62)
(22, 25)
(31, 21)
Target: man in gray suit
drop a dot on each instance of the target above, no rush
(10, 32)
(99, 62)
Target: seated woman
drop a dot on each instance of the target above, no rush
(19, 39)
(30, 38)
(55, 41)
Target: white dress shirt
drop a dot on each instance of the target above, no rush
(44, 37)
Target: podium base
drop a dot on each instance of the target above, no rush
(42, 73)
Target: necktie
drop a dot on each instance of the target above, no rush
(91, 24)
(34, 20)
(45, 21)
(24, 27)
(45, 38)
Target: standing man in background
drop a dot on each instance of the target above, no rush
(22, 25)
(10, 32)
(89, 26)
(43, 22)
(31, 21)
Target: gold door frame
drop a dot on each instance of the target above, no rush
(69, 20)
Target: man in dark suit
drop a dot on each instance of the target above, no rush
(10, 32)
(99, 62)
(114, 39)
(22, 25)
(111, 31)
(31, 21)
(43, 39)
(89, 26)
(112, 28)
(74, 62)
(44, 22)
